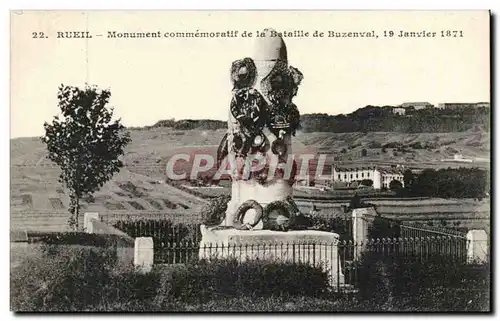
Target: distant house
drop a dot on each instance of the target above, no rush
(381, 177)
(458, 158)
(399, 111)
(458, 106)
(483, 104)
(416, 105)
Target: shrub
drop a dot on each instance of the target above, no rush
(214, 212)
(61, 278)
(417, 145)
(229, 278)
(451, 182)
(66, 278)
(438, 284)
(374, 144)
(70, 278)
(76, 238)
(339, 225)
(367, 182)
(395, 184)
(384, 228)
(392, 145)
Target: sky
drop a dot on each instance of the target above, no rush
(162, 78)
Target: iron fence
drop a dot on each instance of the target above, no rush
(419, 230)
(387, 227)
(183, 217)
(161, 231)
(342, 260)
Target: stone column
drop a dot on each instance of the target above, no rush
(262, 114)
(144, 254)
(362, 218)
(87, 221)
(477, 246)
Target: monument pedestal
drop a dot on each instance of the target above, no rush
(316, 248)
(242, 191)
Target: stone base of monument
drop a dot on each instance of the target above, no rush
(316, 248)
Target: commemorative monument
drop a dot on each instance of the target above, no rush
(262, 120)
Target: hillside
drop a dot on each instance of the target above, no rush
(369, 119)
(150, 149)
(39, 202)
(382, 119)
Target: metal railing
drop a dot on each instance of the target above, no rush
(419, 230)
(340, 259)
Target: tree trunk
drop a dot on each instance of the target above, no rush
(77, 212)
(77, 194)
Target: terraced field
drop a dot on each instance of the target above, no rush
(464, 213)
(38, 201)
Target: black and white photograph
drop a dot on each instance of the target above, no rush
(250, 161)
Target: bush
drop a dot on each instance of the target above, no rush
(374, 144)
(61, 278)
(339, 225)
(71, 279)
(395, 185)
(83, 279)
(384, 228)
(367, 182)
(214, 212)
(228, 278)
(75, 238)
(438, 284)
(451, 182)
(417, 145)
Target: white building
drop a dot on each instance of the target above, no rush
(458, 158)
(399, 111)
(381, 177)
(417, 105)
(459, 106)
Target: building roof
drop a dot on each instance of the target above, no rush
(393, 171)
(382, 170)
(417, 103)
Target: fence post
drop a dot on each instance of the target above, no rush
(87, 221)
(143, 253)
(477, 246)
(361, 219)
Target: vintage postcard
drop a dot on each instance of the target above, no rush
(251, 161)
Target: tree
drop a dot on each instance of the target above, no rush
(85, 142)
(395, 184)
(355, 202)
(367, 182)
(408, 178)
